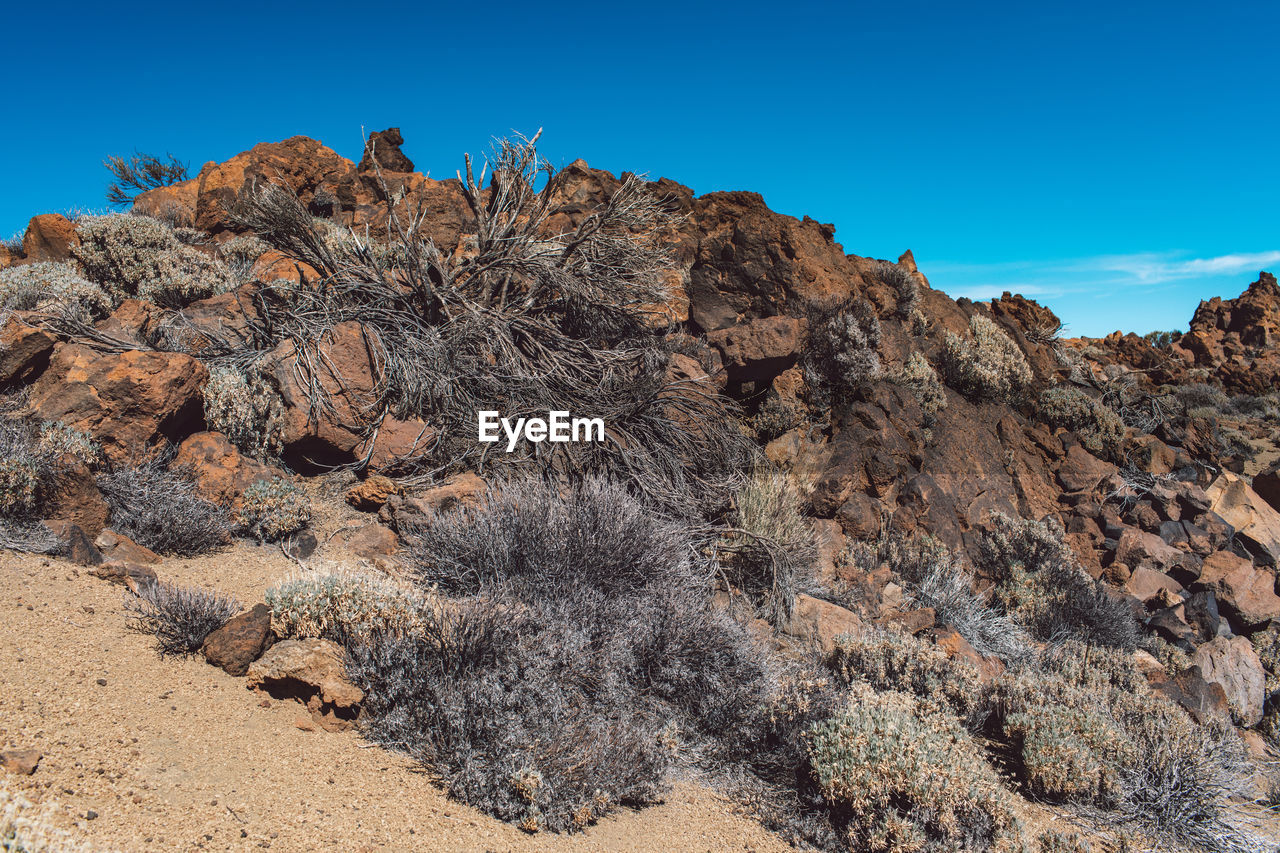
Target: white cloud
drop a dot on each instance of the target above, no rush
(1155, 268)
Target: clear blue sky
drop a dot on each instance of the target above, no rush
(1115, 160)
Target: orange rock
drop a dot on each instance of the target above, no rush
(130, 402)
(24, 350)
(222, 472)
(49, 237)
(372, 493)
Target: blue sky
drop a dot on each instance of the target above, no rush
(1116, 160)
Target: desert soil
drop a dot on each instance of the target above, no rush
(177, 755)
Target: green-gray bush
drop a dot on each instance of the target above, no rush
(909, 779)
(45, 286)
(988, 365)
(141, 257)
(272, 509)
(1100, 429)
(919, 377)
(243, 406)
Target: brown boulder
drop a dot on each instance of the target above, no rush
(313, 672)
(370, 494)
(49, 237)
(752, 262)
(222, 472)
(958, 648)
(130, 402)
(241, 641)
(1202, 699)
(1267, 485)
(394, 441)
(344, 372)
(24, 351)
(1234, 666)
(1145, 585)
(1140, 550)
(1246, 593)
(820, 622)
(304, 165)
(465, 489)
(116, 546)
(760, 350)
(77, 500)
(1257, 524)
(371, 541)
(1081, 471)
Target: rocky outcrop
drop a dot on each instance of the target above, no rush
(1237, 338)
(24, 350)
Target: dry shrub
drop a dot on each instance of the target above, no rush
(51, 287)
(906, 777)
(241, 404)
(840, 354)
(934, 576)
(525, 315)
(773, 548)
(179, 617)
(34, 456)
(1100, 429)
(272, 509)
(137, 256)
(345, 606)
(582, 660)
(893, 660)
(140, 173)
(162, 510)
(1040, 584)
(986, 366)
(919, 377)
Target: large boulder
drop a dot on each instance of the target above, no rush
(758, 351)
(241, 641)
(24, 350)
(820, 622)
(343, 372)
(1234, 666)
(1245, 592)
(132, 402)
(1257, 524)
(751, 262)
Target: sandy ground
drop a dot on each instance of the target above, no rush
(177, 755)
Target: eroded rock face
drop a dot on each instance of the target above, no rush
(346, 372)
(24, 350)
(1256, 523)
(132, 402)
(1237, 338)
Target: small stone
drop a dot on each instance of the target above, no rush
(102, 682)
(20, 761)
(90, 815)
